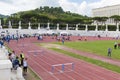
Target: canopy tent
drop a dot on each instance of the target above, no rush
(64, 33)
(51, 32)
(42, 32)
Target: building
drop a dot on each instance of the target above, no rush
(106, 11)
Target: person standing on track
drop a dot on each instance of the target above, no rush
(109, 52)
(63, 40)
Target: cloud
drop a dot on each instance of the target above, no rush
(84, 7)
(68, 6)
(6, 1)
(6, 8)
(12, 6)
(80, 7)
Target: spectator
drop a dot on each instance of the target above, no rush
(10, 57)
(119, 45)
(21, 60)
(25, 66)
(115, 45)
(1, 43)
(16, 63)
(22, 54)
(13, 56)
(85, 38)
(63, 40)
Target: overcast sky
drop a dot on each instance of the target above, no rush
(83, 7)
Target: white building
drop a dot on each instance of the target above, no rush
(106, 11)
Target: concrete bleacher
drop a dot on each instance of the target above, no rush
(5, 67)
(72, 32)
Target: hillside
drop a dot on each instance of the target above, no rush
(44, 15)
(49, 14)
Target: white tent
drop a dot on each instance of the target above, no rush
(64, 33)
(51, 32)
(42, 32)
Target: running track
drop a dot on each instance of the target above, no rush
(41, 63)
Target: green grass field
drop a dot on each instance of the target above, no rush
(95, 47)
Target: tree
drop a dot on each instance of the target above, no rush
(97, 19)
(104, 19)
(116, 18)
(77, 21)
(29, 16)
(57, 20)
(87, 20)
(101, 20)
(2, 21)
(43, 18)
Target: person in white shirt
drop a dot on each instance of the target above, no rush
(25, 66)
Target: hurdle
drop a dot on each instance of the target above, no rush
(23, 45)
(63, 66)
(36, 51)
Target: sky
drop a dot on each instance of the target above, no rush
(83, 7)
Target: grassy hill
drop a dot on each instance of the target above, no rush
(49, 14)
(46, 14)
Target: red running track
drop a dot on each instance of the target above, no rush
(41, 63)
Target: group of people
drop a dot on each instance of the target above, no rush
(20, 61)
(63, 38)
(40, 37)
(115, 47)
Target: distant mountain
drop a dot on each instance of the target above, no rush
(3, 16)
